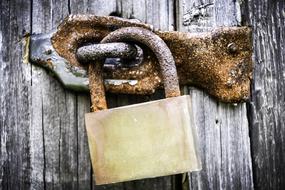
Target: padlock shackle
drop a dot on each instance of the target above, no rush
(136, 35)
(158, 47)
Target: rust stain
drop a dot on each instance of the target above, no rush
(207, 60)
(96, 85)
(49, 63)
(219, 61)
(26, 41)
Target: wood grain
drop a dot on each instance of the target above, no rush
(54, 110)
(222, 128)
(267, 107)
(15, 108)
(43, 142)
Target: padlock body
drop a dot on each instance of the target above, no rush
(144, 140)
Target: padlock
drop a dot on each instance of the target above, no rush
(144, 140)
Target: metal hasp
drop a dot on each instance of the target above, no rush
(220, 61)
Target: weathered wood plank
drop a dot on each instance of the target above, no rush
(222, 128)
(83, 159)
(14, 97)
(267, 109)
(54, 145)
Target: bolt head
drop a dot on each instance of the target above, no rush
(232, 48)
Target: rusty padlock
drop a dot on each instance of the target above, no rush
(144, 140)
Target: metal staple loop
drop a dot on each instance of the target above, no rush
(109, 50)
(117, 54)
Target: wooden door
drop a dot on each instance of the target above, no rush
(43, 142)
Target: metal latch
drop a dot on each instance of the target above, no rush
(220, 61)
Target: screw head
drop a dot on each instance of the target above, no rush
(232, 48)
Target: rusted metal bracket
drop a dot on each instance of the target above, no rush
(220, 62)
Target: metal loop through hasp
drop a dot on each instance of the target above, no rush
(117, 54)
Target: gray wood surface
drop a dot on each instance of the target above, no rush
(267, 109)
(55, 127)
(43, 142)
(15, 117)
(222, 128)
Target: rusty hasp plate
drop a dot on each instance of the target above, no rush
(220, 62)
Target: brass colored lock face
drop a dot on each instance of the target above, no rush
(143, 140)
